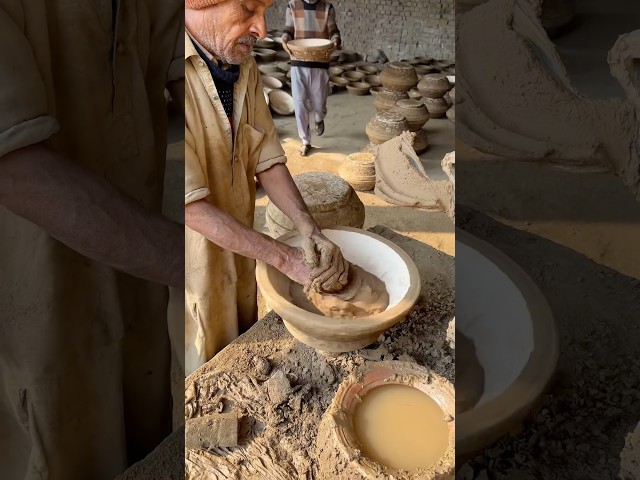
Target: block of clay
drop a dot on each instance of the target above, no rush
(209, 431)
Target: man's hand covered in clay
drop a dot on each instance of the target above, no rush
(329, 270)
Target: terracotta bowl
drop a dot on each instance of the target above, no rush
(268, 69)
(373, 80)
(281, 102)
(347, 67)
(338, 82)
(367, 69)
(358, 88)
(353, 76)
(311, 49)
(506, 315)
(373, 253)
(336, 71)
(283, 67)
(271, 82)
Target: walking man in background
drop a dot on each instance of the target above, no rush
(310, 80)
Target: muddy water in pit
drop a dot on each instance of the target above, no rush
(401, 427)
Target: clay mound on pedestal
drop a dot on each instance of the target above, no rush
(331, 201)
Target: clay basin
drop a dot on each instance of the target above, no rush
(358, 88)
(371, 252)
(352, 391)
(501, 309)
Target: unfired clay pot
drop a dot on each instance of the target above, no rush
(424, 69)
(358, 88)
(359, 170)
(434, 85)
(353, 76)
(373, 80)
(385, 100)
(414, 111)
(398, 76)
(331, 201)
(385, 126)
(415, 94)
(367, 69)
(437, 106)
(420, 142)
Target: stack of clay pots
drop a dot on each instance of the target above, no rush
(433, 87)
(359, 170)
(384, 126)
(331, 200)
(416, 114)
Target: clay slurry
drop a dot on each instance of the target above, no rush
(401, 427)
(364, 294)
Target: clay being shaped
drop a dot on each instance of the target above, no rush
(364, 295)
(560, 125)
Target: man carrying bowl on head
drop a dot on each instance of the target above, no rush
(309, 79)
(230, 140)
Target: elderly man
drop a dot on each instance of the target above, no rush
(310, 80)
(230, 140)
(84, 347)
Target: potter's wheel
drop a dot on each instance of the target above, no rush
(503, 312)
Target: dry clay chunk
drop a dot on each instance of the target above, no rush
(217, 430)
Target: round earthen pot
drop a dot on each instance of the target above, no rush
(331, 201)
(434, 85)
(398, 76)
(384, 99)
(420, 142)
(437, 106)
(414, 111)
(359, 170)
(415, 94)
(385, 126)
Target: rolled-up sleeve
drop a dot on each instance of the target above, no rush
(272, 151)
(25, 117)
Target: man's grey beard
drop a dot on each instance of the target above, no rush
(229, 57)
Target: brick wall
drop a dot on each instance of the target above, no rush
(402, 28)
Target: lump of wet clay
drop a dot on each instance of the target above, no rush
(364, 294)
(278, 387)
(210, 431)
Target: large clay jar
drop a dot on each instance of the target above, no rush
(434, 85)
(332, 202)
(437, 106)
(359, 170)
(398, 76)
(385, 126)
(385, 100)
(414, 111)
(420, 142)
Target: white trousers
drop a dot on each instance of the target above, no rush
(310, 88)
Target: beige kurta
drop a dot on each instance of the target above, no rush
(220, 287)
(84, 350)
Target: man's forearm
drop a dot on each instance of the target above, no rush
(90, 216)
(225, 231)
(284, 194)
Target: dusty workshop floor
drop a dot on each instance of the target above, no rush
(344, 134)
(576, 234)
